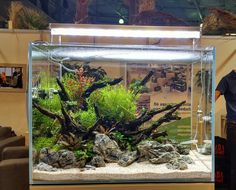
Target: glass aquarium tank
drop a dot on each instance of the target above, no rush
(118, 114)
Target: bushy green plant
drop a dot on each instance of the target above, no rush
(57, 147)
(53, 104)
(80, 154)
(42, 125)
(47, 81)
(123, 141)
(115, 103)
(86, 152)
(43, 142)
(87, 118)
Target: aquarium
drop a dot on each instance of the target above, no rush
(120, 113)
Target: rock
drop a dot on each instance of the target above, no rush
(177, 164)
(165, 148)
(165, 157)
(45, 167)
(89, 167)
(80, 163)
(62, 159)
(187, 159)
(107, 148)
(49, 157)
(66, 159)
(128, 158)
(146, 149)
(206, 149)
(98, 161)
(183, 149)
(153, 150)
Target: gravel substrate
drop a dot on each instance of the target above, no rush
(136, 171)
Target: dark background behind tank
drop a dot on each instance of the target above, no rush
(110, 11)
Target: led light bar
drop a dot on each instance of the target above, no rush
(125, 31)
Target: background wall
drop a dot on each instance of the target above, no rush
(14, 50)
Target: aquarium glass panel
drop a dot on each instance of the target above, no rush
(118, 114)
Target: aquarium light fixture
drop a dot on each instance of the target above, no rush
(126, 32)
(126, 55)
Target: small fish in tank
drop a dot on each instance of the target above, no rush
(89, 125)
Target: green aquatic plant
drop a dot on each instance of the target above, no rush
(46, 81)
(42, 125)
(86, 152)
(87, 118)
(56, 147)
(101, 106)
(124, 142)
(53, 104)
(115, 103)
(44, 142)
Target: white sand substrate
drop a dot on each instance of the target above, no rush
(201, 169)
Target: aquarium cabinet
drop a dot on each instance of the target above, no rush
(104, 114)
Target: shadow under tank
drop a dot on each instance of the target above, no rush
(114, 114)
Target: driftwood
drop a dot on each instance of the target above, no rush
(94, 87)
(144, 81)
(145, 133)
(66, 122)
(135, 124)
(100, 85)
(64, 96)
(71, 128)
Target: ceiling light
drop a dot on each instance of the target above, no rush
(121, 21)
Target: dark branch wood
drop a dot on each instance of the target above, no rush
(90, 134)
(159, 134)
(135, 124)
(64, 96)
(70, 125)
(48, 113)
(145, 133)
(100, 85)
(147, 78)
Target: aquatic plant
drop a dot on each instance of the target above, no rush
(77, 83)
(43, 142)
(86, 152)
(87, 118)
(104, 105)
(42, 125)
(123, 141)
(115, 103)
